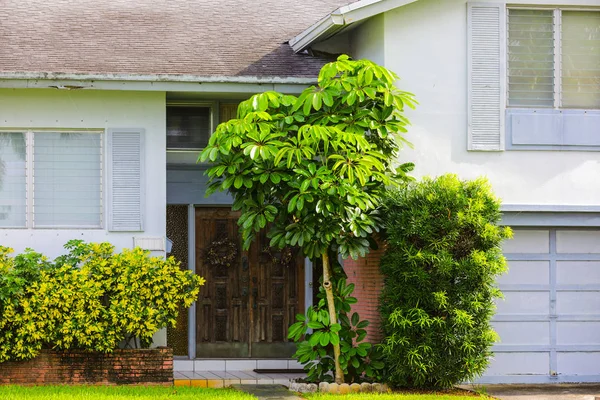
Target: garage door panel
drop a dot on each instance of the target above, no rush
(578, 363)
(523, 333)
(578, 332)
(579, 303)
(523, 302)
(549, 321)
(519, 364)
(578, 272)
(528, 241)
(526, 273)
(568, 241)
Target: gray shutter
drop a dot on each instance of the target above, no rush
(125, 178)
(486, 67)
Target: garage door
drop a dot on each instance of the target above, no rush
(549, 322)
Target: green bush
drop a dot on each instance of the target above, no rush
(440, 267)
(360, 361)
(18, 335)
(90, 298)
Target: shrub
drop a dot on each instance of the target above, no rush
(359, 360)
(17, 334)
(440, 267)
(90, 298)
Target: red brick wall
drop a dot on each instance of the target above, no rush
(364, 273)
(147, 366)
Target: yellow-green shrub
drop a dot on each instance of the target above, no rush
(90, 299)
(16, 340)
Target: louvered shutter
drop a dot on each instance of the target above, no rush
(125, 180)
(486, 64)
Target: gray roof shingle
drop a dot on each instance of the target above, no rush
(194, 37)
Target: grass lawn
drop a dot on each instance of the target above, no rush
(118, 393)
(186, 393)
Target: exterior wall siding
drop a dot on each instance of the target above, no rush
(64, 109)
(425, 43)
(367, 41)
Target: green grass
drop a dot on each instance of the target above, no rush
(118, 393)
(186, 393)
(392, 396)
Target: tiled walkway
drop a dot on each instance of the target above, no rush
(216, 379)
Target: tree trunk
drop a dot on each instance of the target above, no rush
(327, 285)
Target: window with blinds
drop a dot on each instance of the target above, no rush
(13, 180)
(536, 48)
(67, 179)
(580, 59)
(51, 179)
(188, 126)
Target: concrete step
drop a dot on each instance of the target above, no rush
(218, 379)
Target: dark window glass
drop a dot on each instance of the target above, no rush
(188, 127)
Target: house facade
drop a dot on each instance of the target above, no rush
(509, 90)
(104, 108)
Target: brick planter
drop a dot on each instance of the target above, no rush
(131, 366)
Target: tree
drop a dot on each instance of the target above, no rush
(312, 169)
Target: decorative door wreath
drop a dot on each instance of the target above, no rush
(279, 256)
(221, 253)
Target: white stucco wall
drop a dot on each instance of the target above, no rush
(425, 43)
(48, 108)
(368, 39)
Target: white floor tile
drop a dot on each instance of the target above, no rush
(209, 365)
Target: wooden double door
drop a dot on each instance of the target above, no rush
(250, 297)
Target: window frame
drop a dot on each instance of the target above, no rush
(213, 109)
(29, 177)
(557, 18)
(563, 120)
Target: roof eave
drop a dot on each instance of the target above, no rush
(321, 30)
(341, 18)
(125, 77)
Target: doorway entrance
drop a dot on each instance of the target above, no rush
(250, 297)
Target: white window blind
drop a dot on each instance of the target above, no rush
(13, 180)
(580, 56)
(67, 179)
(531, 58)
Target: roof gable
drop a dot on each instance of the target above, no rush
(341, 18)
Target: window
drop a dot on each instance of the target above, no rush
(51, 179)
(13, 186)
(189, 126)
(553, 58)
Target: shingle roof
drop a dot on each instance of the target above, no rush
(195, 37)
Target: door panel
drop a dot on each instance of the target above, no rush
(222, 310)
(245, 309)
(277, 296)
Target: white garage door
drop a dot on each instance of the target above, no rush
(549, 322)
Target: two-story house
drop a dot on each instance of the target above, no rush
(105, 105)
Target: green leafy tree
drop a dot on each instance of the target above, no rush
(312, 169)
(440, 268)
